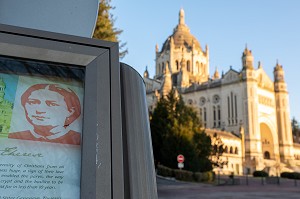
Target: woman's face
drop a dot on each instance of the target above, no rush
(46, 108)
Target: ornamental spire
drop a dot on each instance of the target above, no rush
(181, 16)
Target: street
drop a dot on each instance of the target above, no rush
(171, 189)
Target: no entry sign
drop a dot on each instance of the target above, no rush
(180, 158)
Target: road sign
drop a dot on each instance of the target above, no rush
(180, 158)
(180, 165)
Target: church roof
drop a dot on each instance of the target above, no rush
(181, 36)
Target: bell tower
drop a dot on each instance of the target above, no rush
(247, 59)
(253, 145)
(283, 116)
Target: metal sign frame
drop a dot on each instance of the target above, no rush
(103, 176)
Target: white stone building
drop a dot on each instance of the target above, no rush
(245, 107)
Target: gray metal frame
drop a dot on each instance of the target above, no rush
(140, 178)
(102, 171)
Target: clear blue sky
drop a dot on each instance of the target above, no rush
(270, 28)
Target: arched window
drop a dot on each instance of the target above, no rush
(188, 65)
(177, 64)
(159, 69)
(267, 155)
(201, 115)
(214, 115)
(226, 149)
(231, 150)
(236, 150)
(219, 116)
(163, 67)
(204, 116)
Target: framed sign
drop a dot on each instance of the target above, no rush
(60, 122)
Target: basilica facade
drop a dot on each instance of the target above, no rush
(244, 106)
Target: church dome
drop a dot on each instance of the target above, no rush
(181, 36)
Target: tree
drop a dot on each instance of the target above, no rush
(203, 151)
(176, 129)
(217, 152)
(295, 129)
(105, 29)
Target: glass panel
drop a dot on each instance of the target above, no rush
(41, 129)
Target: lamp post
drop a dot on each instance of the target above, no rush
(247, 173)
(219, 171)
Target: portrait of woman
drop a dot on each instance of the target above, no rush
(50, 110)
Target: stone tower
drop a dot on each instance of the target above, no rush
(283, 116)
(253, 146)
(247, 59)
(182, 44)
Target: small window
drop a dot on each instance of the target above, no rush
(267, 155)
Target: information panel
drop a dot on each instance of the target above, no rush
(40, 129)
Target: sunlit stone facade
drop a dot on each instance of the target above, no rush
(245, 107)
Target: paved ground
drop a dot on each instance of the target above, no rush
(170, 189)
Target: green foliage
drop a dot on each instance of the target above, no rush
(175, 129)
(290, 175)
(217, 152)
(295, 130)
(165, 171)
(260, 174)
(202, 143)
(207, 176)
(105, 29)
(184, 175)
